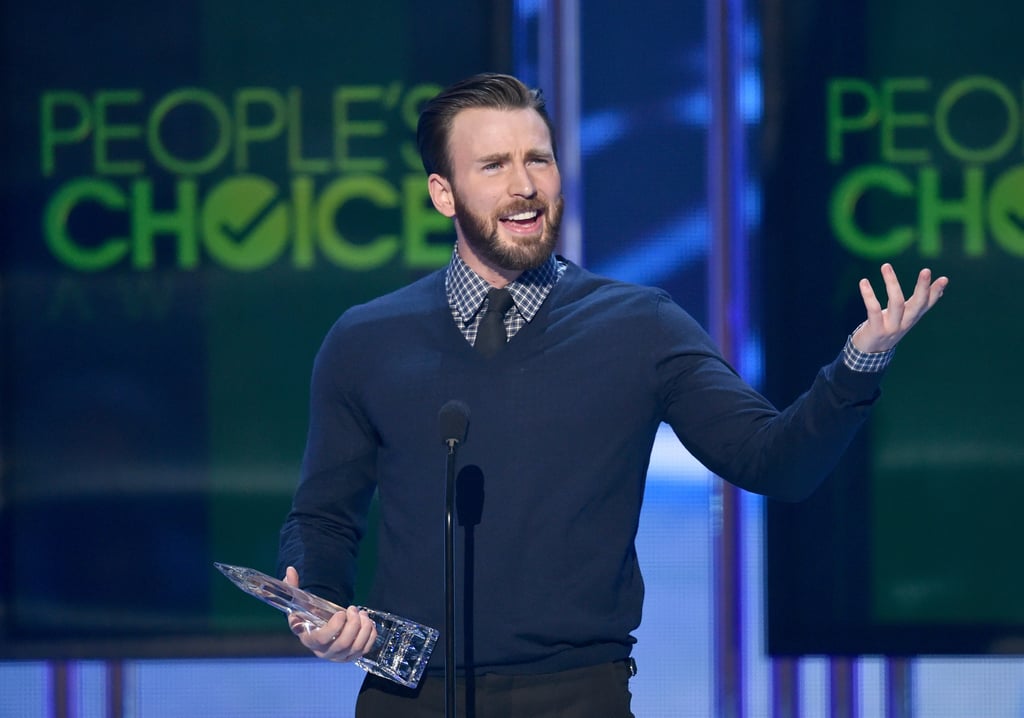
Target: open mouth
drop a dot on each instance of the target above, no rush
(523, 221)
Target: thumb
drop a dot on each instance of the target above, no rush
(291, 576)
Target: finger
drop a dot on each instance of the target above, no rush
(367, 635)
(364, 639)
(919, 301)
(924, 282)
(317, 639)
(371, 633)
(298, 625)
(348, 635)
(291, 576)
(936, 290)
(331, 632)
(926, 294)
(871, 303)
(896, 304)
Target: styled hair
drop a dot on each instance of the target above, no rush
(488, 91)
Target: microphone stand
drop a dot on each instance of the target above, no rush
(449, 583)
(454, 421)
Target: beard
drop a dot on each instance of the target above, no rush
(520, 254)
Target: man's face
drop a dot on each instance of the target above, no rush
(506, 190)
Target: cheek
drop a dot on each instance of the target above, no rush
(552, 187)
(481, 199)
(489, 206)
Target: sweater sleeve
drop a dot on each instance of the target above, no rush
(737, 433)
(328, 517)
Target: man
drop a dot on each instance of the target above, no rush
(563, 419)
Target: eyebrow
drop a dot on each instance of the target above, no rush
(506, 156)
(497, 157)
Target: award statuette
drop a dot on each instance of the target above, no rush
(400, 652)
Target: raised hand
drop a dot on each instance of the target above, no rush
(885, 327)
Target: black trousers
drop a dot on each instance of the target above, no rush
(600, 691)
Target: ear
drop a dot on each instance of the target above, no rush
(441, 194)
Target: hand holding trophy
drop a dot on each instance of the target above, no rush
(400, 652)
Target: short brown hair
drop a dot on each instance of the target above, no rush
(488, 90)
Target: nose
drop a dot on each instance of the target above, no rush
(521, 182)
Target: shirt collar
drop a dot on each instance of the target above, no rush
(467, 290)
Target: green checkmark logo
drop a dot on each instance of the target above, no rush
(245, 222)
(1006, 210)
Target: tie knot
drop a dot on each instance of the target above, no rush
(499, 300)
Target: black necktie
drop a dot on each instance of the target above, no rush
(490, 335)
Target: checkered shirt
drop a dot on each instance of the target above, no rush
(856, 360)
(467, 294)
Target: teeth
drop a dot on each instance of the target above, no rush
(522, 216)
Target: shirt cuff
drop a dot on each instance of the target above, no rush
(856, 360)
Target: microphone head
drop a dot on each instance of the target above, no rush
(454, 422)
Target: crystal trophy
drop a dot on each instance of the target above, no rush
(400, 652)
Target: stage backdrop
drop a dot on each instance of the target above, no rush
(192, 192)
(893, 132)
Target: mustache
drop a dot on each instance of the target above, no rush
(523, 205)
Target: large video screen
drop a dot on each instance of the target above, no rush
(883, 143)
(192, 193)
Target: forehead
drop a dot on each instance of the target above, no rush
(480, 132)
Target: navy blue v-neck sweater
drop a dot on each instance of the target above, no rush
(551, 476)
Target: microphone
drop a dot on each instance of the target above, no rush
(454, 422)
